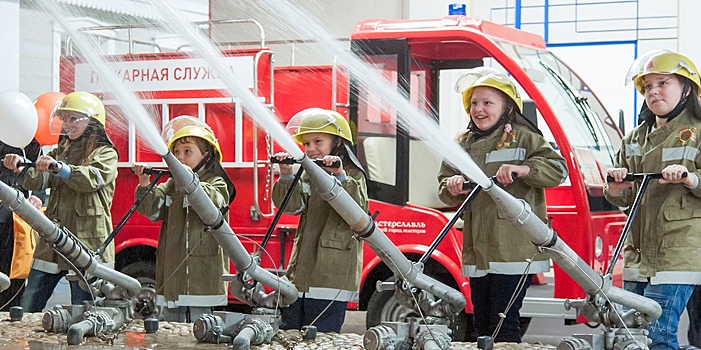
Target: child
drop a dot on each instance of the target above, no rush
(81, 187)
(660, 254)
(326, 261)
(189, 261)
(502, 142)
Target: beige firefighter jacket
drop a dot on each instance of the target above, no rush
(189, 261)
(81, 203)
(491, 244)
(665, 236)
(324, 254)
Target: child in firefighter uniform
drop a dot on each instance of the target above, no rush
(80, 174)
(502, 142)
(189, 261)
(326, 260)
(661, 252)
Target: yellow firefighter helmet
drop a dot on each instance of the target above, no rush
(663, 62)
(319, 120)
(184, 126)
(490, 77)
(82, 102)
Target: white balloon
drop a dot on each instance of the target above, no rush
(18, 119)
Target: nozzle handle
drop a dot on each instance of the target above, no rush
(468, 185)
(152, 171)
(53, 166)
(641, 176)
(291, 160)
(288, 160)
(155, 171)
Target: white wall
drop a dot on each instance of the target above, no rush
(9, 45)
(574, 31)
(603, 67)
(337, 17)
(432, 8)
(39, 65)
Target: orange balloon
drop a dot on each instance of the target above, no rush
(45, 104)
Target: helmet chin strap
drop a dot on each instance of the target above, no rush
(203, 162)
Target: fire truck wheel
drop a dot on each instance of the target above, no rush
(143, 271)
(383, 306)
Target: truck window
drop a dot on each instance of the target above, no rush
(377, 131)
(578, 111)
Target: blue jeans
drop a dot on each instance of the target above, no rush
(303, 312)
(672, 298)
(40, 286)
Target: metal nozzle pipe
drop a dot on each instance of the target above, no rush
(4, 282)
(242, 341)
(93, 324)
(519, 212)
(78, 331)
(188, 183)
(63, 242)
(360, 222)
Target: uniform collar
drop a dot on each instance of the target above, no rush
(671, 127)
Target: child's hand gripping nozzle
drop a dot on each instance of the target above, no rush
(237, 327)
(604, 301)
(114, 290)
(411, 283)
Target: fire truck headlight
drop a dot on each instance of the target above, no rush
(598, 246)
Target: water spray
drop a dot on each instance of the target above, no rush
(176, 23)
(413, 121)
(135, 111)
(599, 306)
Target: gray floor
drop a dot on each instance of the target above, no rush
(543, 330)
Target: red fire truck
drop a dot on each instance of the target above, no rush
(422, 58)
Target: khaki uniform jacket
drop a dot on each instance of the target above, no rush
(189, 260)
(324, 253)
(665, 237)
(492, 244)
(81, 203)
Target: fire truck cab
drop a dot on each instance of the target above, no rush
(423, 59)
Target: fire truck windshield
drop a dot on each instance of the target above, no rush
(575, 106)
(590, 131)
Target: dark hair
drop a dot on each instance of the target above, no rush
(94, 137)
(693, 103)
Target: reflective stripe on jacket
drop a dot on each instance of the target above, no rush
(81, 203)
(665, 237)
(324, 254)
(491, 244)
(189, 260)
